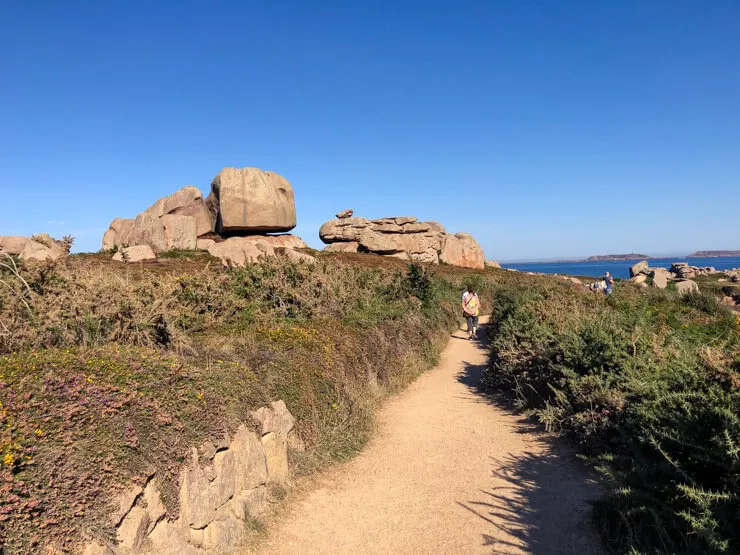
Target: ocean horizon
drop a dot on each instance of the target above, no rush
(619, 268)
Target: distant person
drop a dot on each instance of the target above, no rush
(609, 281)
(471, 311)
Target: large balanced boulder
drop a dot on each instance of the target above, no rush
(244, 204)
(252, 200)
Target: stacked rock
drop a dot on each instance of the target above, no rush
(234, 222)
(401, 237)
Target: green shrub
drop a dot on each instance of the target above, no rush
(648, 386)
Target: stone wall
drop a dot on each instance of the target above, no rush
(222, 487)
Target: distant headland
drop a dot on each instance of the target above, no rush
(713, 254)
(615, 257)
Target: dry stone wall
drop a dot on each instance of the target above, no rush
(221, 488)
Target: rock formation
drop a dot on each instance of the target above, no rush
(401, 237)
(40, 248)
(680, 272)
(251, 200)
(686, 286)
(232, 223)
(684, 270)
(137, 253)
(13, 244)
(220, 490)
(462, 250)
(119, 234)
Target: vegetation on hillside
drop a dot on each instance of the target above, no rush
(648, 384)
(110, 371)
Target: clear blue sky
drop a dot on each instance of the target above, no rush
(544, 128)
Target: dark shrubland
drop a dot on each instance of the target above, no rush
(648, 384)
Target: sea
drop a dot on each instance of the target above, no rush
(619, 268)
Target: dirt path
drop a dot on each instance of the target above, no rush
(447, 472)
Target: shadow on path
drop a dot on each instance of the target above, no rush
(538, 499)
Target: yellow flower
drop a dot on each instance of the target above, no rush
(8, 459)
(39, 432)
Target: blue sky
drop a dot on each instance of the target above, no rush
(544, 128)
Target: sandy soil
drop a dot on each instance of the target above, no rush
(448, 471)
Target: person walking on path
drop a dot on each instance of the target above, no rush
(471, 311)
(609, 280)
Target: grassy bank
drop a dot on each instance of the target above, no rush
(648, 385)
(111, 371)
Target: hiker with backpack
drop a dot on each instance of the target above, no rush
(471, 311)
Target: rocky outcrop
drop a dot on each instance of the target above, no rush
(39, 248)
(43, 247)
(492, 264)
(252, 200)
(119, 234)
(13, 244)
(462, 250)
(299, 257)
(660, 277)
(240, 251)
(684, 271)
(680, 272)
(243, 204)
(349, 246)
(173, 222)
(136, 253)
(284, 240)
(219, 491)
(686, 286)
(401, 237)
(639, 268)
(343, 230)
(345, 213)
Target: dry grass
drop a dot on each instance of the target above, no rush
(109, 371)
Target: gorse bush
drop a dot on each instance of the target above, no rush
(649, 386)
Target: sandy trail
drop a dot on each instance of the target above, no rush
(448, 471)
